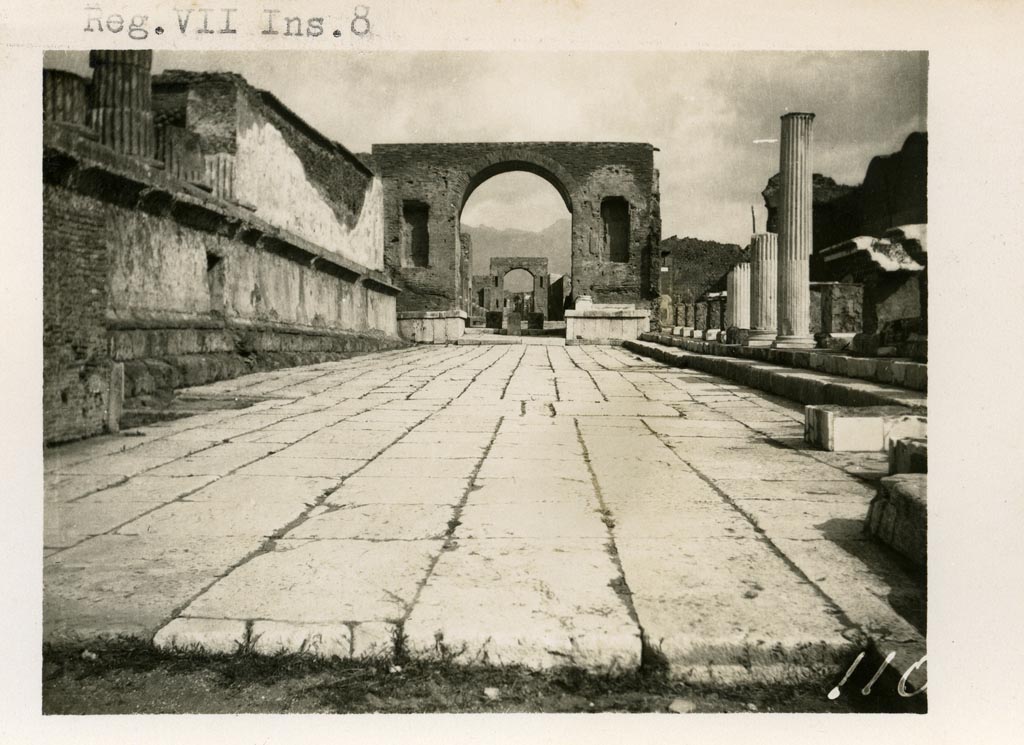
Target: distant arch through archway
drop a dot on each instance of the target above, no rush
(431, 182)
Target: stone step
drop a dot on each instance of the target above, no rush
(908, 455)
(860, 428)
(802, 385)
(888, 371)
(898, 515)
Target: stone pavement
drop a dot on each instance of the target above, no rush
(533, 504)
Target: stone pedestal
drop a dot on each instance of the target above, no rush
(121, 102)
(597, 324)
(737, 307)
(514, 326)
(432, 327)
(795, 237)
(700, 316)
(764, 279)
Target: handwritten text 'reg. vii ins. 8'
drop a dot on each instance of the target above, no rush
(211, 22)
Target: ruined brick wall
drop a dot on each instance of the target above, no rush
(837, 215)
(465, 271)
(187, 277)
(699, 267)
(442, 176)
(295, 177)
(893, 193)
(76, 363)
(895, 188)
(558, 290)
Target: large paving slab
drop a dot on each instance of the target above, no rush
(519, 504)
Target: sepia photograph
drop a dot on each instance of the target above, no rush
(511, 371)
(483, 381)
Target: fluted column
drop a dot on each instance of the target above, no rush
(65, 97)
(796, 200)
(764, 282)
(738, 297)
(121, 106)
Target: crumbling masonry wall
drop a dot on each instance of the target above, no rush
(894, 192)
(441, 177)
(240, 239)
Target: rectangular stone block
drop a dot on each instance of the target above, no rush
(864, 428)
(115, 397)
(432, 327)
(908, 455)
(515, 324)
(898, 515)
(700, 316)
(605, 324)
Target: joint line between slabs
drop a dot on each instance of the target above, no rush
(626, 594)
(268, 543)
(763, 537)
(453, 524)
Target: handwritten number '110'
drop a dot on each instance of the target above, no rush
(901, 689)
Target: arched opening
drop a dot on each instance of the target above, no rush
(513, 211)
(519, 290)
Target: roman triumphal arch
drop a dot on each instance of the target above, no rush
(609, 188)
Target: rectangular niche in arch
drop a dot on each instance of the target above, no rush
(615, 220)
(415, 236)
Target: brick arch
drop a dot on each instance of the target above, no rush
(509, 160)
(440, 177)
(535, 266)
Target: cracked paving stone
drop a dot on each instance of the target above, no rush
(730, 610)
(282, 465)
(544, 520)
(527, 489)
(264, 489)
(378, 522)
(311, 581)
(399, 491)
(115, 584)
(535, 603)
(424, 468)
(152, 489)
(227, 517)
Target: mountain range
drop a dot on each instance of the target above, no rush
(553, 243)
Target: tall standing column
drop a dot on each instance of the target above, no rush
(764, 282)
(738, 297)
(795, 237)
(121, 106)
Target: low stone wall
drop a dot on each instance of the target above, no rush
(432, 327)
(597, 325)
(142, 267)
(158, 358)
(901, 372)
(898, 515)
(804, 386)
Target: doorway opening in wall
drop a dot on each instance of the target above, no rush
(518, 231)
(215, 282)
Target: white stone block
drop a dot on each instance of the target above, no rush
(860, 429)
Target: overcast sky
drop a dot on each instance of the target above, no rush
(703, 110)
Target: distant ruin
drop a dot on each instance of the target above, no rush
(609, 188)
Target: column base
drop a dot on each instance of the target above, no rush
(760, 338)
(793, 342)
